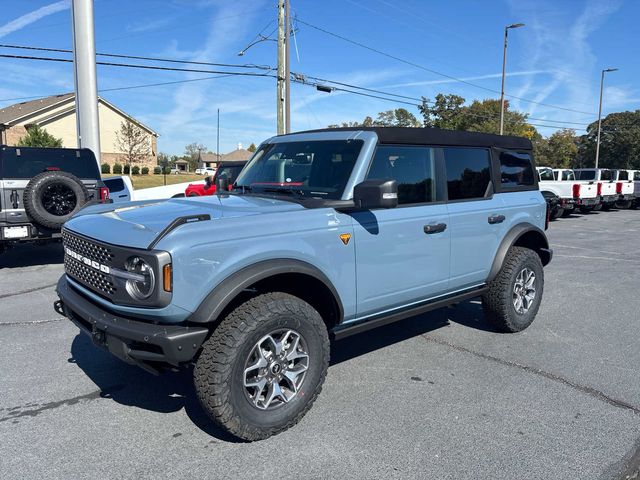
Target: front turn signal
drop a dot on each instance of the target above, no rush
(166, 277)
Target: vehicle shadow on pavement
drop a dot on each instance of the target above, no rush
(470, 314)
(129, 385)
(29, 255)
(172, 391)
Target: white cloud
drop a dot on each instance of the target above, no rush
(31, 17)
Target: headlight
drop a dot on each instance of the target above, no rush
(142, 282)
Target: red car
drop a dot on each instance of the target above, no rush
(230, 169)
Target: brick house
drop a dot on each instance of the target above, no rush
(212, 159)
(57, 115)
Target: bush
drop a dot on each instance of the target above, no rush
(105, 168)
(144, 170)
(167, 170)
(157, 170)
(126, 170)
(136, 170)
(117, 169)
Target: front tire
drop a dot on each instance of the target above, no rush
(514, 296)
(263, 366)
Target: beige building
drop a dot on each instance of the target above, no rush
(57, 115)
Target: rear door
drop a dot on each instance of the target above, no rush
(13, 185)
(403, 253)
(476, 216)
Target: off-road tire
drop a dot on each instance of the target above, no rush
(497, 303)
(33, 198)
(557, 212)
(218, 374)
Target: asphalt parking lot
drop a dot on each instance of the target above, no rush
(436, 396)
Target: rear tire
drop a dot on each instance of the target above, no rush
(566, 213)
(624, 204)
(556, 212)
(237, 372)
(514, 296)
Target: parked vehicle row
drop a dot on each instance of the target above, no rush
(588, 189)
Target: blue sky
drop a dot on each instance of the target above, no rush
(555, 60)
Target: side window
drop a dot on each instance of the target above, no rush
(468, 172)
(623, 175)
(606, 175)
(411, 166)
(546, 174)
(516, 169)
(114, 184)
(636, 176)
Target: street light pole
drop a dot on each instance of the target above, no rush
(85, 76)
(600, 111)
(287, 69)
(504, 70)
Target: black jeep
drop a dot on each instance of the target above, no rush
(41, 188)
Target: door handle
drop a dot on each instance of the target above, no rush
(436, 228)
(496, 219)
(122, 196)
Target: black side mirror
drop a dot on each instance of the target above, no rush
(222, 184)
(372, 194)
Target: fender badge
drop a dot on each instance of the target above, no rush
(345, 237)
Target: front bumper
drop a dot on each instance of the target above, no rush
(148, 345)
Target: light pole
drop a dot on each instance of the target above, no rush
(504, 69)
(600, 111)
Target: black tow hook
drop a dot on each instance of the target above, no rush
(58, 306)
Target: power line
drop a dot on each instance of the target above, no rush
(137, 57)
(145, 67)
(435, 72)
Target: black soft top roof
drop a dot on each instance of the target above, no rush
(437, 136)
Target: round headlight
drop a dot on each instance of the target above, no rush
(143, 285)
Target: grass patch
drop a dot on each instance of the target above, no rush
(151, 180)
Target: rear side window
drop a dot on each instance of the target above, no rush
(636, 176)
(623, 175)
(32, 161)
(114, 185)
(516, 169)
(468, 172)
(606, 175)
(586, 175)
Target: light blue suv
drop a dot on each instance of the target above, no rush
(324, 234)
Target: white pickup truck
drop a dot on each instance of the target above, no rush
(573, 193)
(606, 186)
(625, 187)
(635, 176)
(121, 190)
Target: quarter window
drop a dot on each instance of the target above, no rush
(411, 167)
(468, 172)
(516, 169)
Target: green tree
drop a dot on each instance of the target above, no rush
(450, 112)
(562, 149)
(619, 141)
(163, 159)
(252, 147)
(400, 117)
(192, 152)
(38, 137)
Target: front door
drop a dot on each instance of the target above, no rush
(402, 254)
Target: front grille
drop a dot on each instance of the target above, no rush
(87, 270)
(96, 252)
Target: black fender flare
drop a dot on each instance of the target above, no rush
(510, 239)
(224, 293)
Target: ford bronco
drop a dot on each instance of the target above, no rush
(324, 234)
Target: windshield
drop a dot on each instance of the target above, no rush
(319, 168)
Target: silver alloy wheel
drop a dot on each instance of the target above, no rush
(524, 291)
(275, 369)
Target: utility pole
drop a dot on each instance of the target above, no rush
(600, 112)
(504, 71)
(283, 76)
(218, 141)
(287, 69)
(85, 76)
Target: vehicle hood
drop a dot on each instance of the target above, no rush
(138, 224)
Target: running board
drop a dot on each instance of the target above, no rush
(345, 331)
